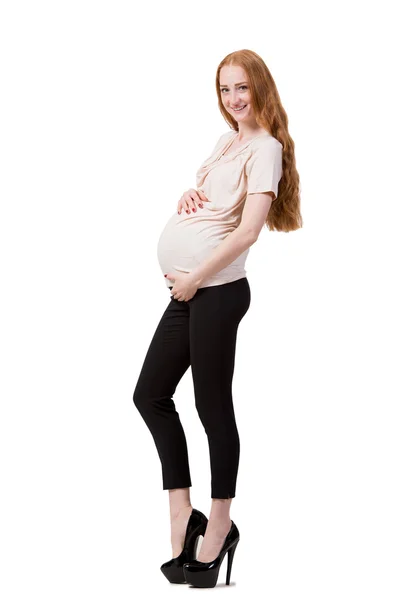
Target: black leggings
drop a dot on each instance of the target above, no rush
(200, 333)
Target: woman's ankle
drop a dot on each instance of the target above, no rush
(179, 502)
(220, 510)
(182, 513)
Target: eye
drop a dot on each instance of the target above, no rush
(240, 87)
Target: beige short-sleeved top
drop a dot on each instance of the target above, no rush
(226, 179)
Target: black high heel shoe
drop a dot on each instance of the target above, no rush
(204, 575)
(172, 569)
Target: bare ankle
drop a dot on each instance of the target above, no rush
(220, 510)
(183, 513)
(179, 502)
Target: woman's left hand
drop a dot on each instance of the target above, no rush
(184, 287)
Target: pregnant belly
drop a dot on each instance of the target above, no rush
(185, 242)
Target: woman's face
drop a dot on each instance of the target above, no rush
(235, 93)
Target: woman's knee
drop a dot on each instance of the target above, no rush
(139, 399)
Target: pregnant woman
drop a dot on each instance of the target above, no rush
(250, 179)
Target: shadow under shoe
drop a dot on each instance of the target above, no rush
(173, 568)
(205, 574)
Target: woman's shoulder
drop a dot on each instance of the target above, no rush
(222, 140)
(264, 150)
(226, 135)
(266, 141)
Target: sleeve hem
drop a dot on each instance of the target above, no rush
(263, 191)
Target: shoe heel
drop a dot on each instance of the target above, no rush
(173, 568)
(231, 553)
(205, 575)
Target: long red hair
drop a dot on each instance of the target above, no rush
(284, 214)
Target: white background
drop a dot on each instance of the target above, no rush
(107, 110)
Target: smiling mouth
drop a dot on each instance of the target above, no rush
(240, 108)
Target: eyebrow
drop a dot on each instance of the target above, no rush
(222, 85)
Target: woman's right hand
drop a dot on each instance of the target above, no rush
(189, 199)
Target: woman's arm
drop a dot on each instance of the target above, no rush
(254, 214)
